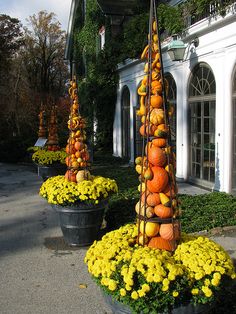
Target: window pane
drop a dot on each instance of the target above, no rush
(206, 125)
(202, 121)
(206, 109)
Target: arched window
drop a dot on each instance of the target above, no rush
(234, 134)
(137, 124)
(202, 90)
(125, 122)
(171, 97)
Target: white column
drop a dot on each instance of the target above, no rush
(179, 76)
(218, 69)
(117, 145)
(228, 120)
(133, 103)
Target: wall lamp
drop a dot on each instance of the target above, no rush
(176, 48)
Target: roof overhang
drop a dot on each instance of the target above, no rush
(69, 37)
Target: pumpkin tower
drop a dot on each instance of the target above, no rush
(53, 141)
(157, 209)
(77, 160)
(42, 123)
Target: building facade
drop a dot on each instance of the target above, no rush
(203, 90)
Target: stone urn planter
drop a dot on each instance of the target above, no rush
(80, 224)
(48, 171)
(119, 308)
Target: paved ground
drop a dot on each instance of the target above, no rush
(38, 274)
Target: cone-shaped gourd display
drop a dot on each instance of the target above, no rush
(77, 159)
(42, 123)
(53, 141)
(158, 214)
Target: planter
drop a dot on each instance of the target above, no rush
(51, 170)
(119, 308)
(81, 224)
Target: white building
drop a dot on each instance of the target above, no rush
(204, 88)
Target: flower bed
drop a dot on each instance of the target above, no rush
(57, 190)
(46, 157)
(152, 280)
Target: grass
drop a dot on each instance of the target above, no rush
(199, 212)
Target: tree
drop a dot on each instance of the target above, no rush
(44, 54)
(10, 38)
(32, 71)
(10, 42)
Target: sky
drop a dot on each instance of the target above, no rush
(22, 9)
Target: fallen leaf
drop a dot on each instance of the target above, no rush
(82, 286)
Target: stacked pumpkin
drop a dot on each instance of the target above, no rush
(53, 141)
(77, 159)
(157, 208)
(42, 123)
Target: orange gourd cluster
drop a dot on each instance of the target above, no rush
(53, 141)
(77, 159)
(42, 123)
(157, 208)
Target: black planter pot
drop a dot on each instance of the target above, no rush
(51, 170)
(119, 308)
(81, 224)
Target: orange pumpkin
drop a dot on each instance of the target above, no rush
(153, 199)
(170, 231)
(156, 87)
(159, 181)
(159, 142)
(70, 176)
(67, 160)
(70, 149)
(163, 211)
(156, 156)
(162, 244)
(143, 196)
(156, 101)
(79, 145)
(147, 130)
(169, 191)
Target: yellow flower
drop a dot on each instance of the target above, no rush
(134, 295)
(46, 157)
(207, 291)
(57, 190)
(145, 287)
(165, 288)
(118, 256)
(122, 292)
(112, 285)
(195, 291)
(175, 294)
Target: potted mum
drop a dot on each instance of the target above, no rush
(79, 197)
(49, 163)
(51, 159)
(150, 267)
(140, 279)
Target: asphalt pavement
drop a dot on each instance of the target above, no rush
(38, 272)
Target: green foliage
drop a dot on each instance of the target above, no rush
(97, 92)
(135, 36)
(204, 212)
(170, 19)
